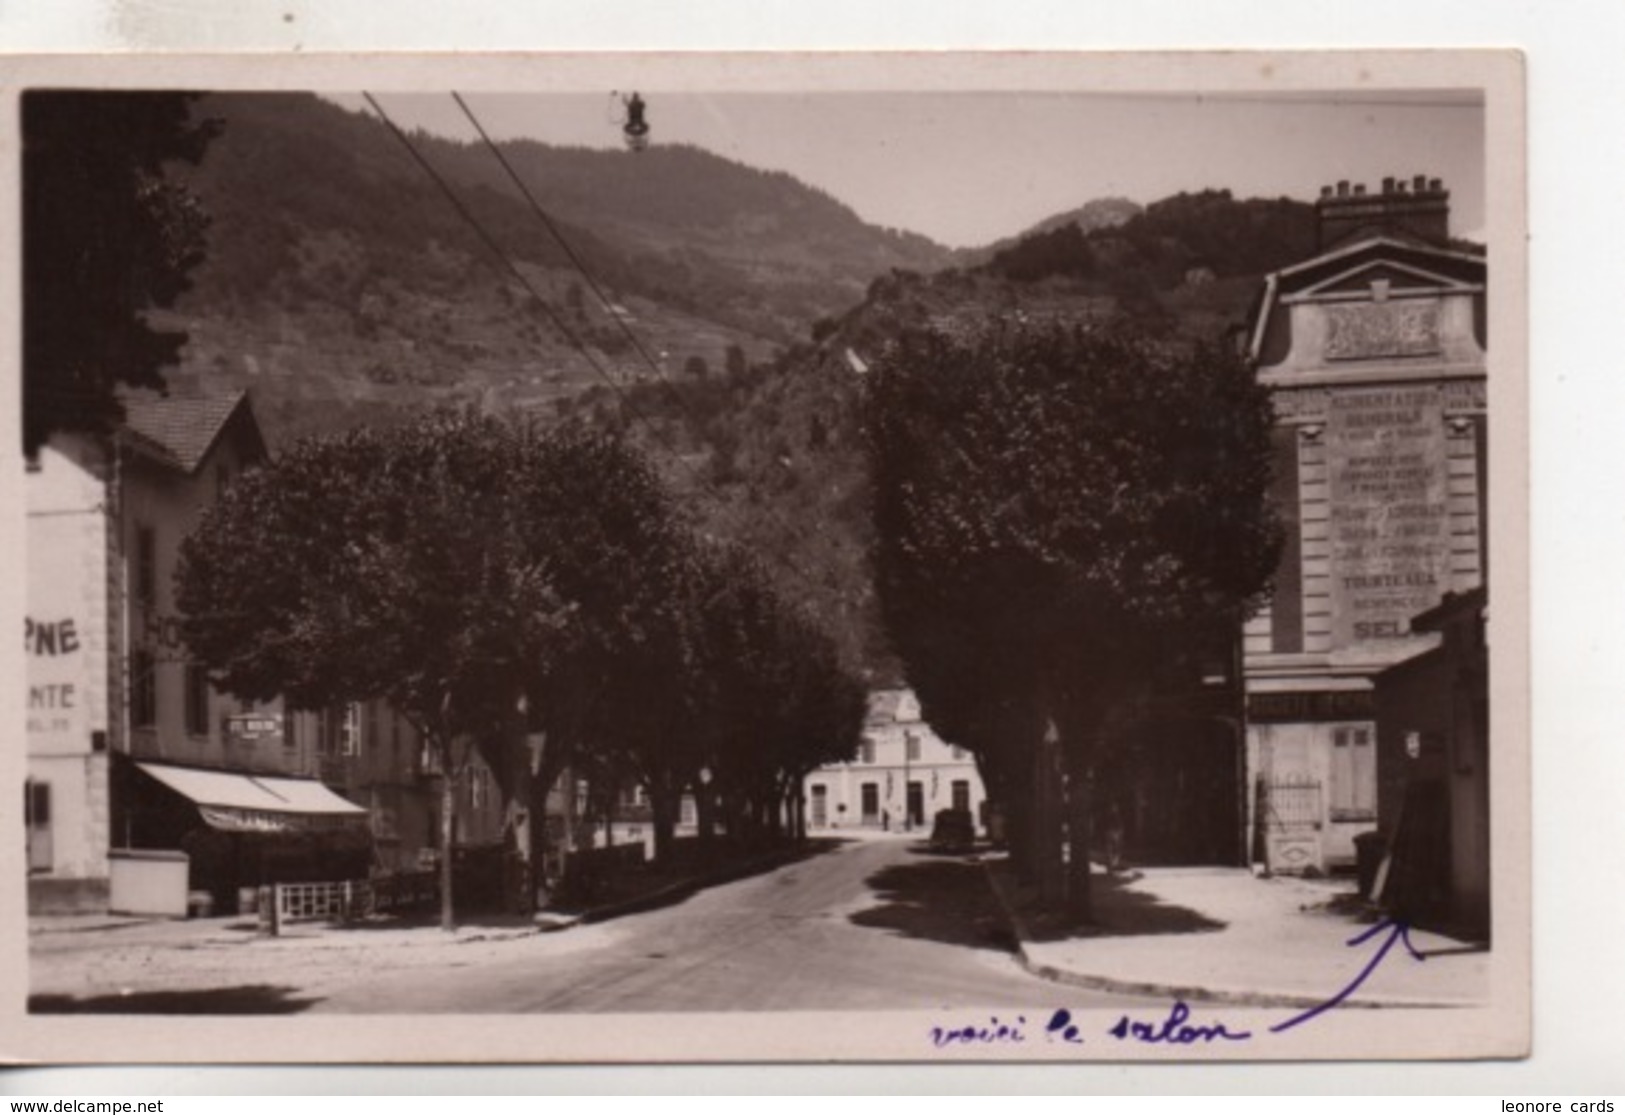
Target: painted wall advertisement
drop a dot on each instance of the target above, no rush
(64, 657)
(1390, 518)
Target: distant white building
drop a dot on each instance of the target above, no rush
(902, 776)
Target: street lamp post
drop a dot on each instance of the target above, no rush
(908, 803)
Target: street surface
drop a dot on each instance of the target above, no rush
(861, 925)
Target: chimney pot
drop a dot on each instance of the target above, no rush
(1359, 189)
(1420, 183)
(1435, 185)
(1325, 191)
(1388, 184)
(1343, 188)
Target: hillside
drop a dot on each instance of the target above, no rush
(1104, 212)
(342, 285)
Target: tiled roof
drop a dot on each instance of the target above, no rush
(180, 429)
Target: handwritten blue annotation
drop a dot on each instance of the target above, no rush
(1178, 1027)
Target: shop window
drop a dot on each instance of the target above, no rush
(197, 700)
(37, 811)
(1354, 774)
(143, 690)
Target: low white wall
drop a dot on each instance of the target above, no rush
(149, 882)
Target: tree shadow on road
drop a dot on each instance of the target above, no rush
(938, 900)
(246, 999)
(1120, 911)
(659, 885)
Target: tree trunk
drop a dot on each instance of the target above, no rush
(1079, 816)
(663, 811)
(448, 814)
(773, 806)
(1045, 824)
(549, 767)
(522, 818)
(705, 819)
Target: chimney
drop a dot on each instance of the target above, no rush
(1417, 209)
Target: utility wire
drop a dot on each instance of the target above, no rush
(574, 257)
(603, 297)
(495, 249)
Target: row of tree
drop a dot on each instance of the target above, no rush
(1056, 508)
(497, 583)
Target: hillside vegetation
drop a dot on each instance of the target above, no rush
(342, 285)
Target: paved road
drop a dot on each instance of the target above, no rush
(877, 924)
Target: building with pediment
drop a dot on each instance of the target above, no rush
(1374, 351)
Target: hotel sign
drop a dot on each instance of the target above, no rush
(1389, 511)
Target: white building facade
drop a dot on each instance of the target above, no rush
(902, 776)
(67, 639)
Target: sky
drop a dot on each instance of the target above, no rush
(966, 169)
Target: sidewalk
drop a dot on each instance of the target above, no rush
(1224, 935)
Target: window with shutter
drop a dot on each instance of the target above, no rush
(1354, 774)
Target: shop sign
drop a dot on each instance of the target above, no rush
(1312, 705)
(251, 729)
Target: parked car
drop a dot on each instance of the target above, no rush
(953, 831)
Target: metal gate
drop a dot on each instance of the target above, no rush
(1292, 801)
(1290, 813)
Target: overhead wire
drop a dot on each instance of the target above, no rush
(570, 336)
(608, 303)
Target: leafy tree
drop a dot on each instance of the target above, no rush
(447, 567)
(107, 237)
(713, 684)
(1051, 505)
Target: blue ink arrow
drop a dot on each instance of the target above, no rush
(1398, 931)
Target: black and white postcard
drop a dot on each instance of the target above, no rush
(810, 557)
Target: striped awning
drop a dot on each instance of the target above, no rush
(236, 802)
